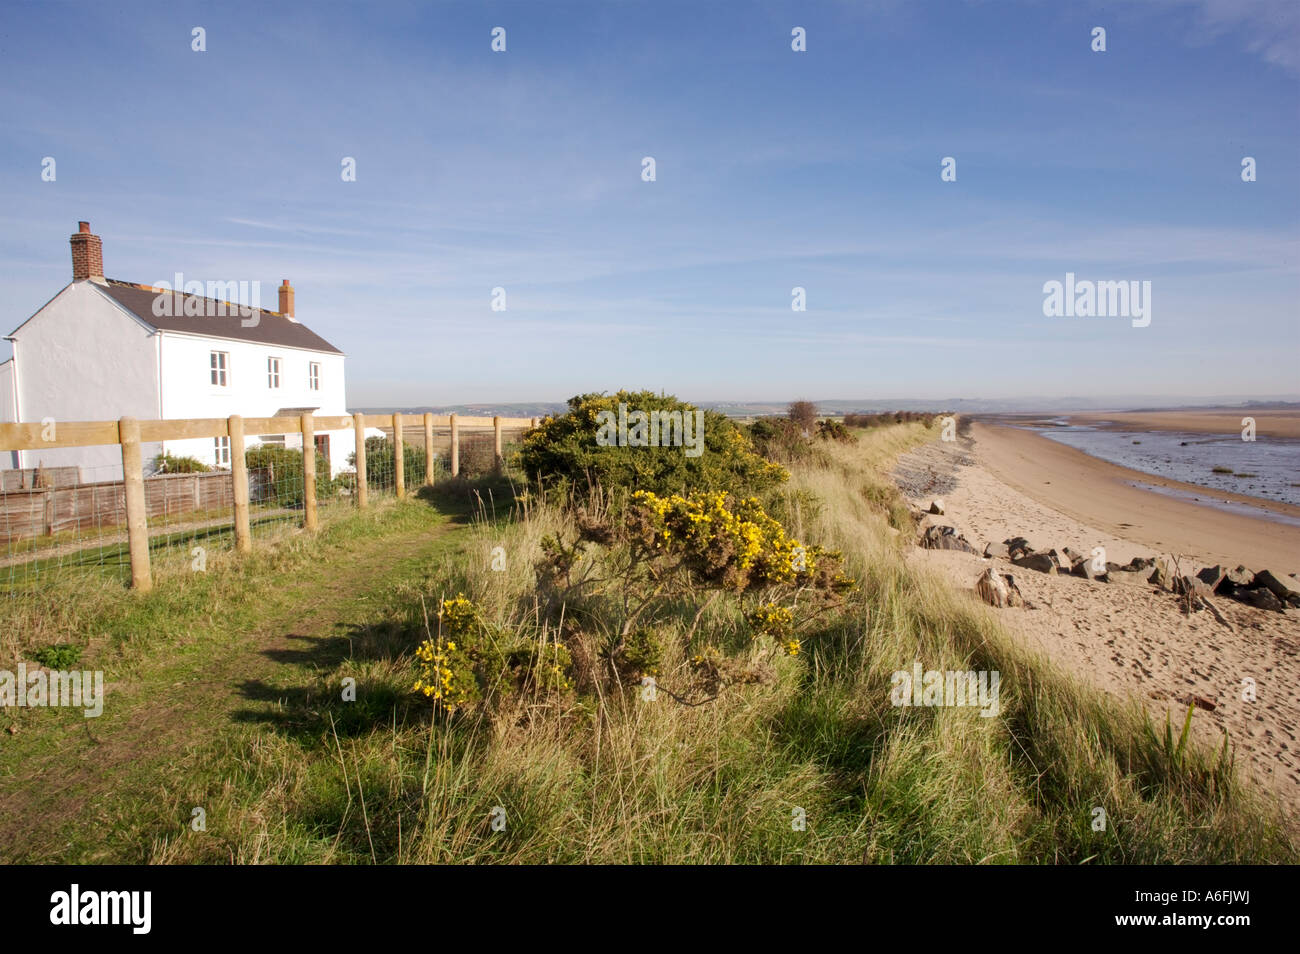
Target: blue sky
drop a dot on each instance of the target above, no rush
(775, 169)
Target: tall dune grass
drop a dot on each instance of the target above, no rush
(614, 778)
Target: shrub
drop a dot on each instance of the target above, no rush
(469, 661)
(381, 471)
(803, 414)
(477, 454)
(565, 454)
(693, 549)
(167, 464)
(735, 547)
(58, 657)
(835, 431)
(284, 470)
(889, 417)
(780, 439)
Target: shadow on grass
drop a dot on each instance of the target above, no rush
(304, 712)
(465, 499)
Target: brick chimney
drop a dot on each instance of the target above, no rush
(87, 254)
(286, 299)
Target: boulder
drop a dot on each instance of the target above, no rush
(1141, 563)
(1240, 576)
(1185, 585)
(1083, 568)
(946, 538)
(1260, 599)
(998, 589)
(1160, 575)
(1042, 562)
(1212, 576)
(1274, 585)
(1017, 599)
(936, 506)
(1017, 547)
(999, 551)
(1125, 576)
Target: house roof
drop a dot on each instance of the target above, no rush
(270, 327)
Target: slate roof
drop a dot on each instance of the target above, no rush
(270, 327)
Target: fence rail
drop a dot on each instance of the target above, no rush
(133, 500)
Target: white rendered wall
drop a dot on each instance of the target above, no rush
(188, 392)
(83, 358)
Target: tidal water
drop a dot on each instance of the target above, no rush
(1268, 468)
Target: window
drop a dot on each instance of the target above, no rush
(272, 372)
(220, 361)
(222, 450)
(313, 376)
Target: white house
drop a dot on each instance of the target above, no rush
(102, 349)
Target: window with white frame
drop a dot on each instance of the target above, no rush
(222, 450)
(313, 375)
(272, 372)
(220, 362)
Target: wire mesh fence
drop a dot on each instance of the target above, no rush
(63, 524)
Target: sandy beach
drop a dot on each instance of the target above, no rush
(1130, 639)
(1101, 495)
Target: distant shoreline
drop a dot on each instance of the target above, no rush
(1113, 498)
(1268, 423)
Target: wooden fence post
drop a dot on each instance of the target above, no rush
(137, 526)
(239, 484)
(308, 472)
(49, 508)
(399, 456)
(496, 453)
(428, 448)
(359, 428)
(455, 447)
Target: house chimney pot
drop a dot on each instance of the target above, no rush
(286, 299)
(87, 254)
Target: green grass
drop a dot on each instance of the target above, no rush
(296, 774)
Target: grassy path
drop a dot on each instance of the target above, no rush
(65, 779)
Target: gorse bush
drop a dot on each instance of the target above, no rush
(835, 431)
(283, 468)
(667, 561)
(781, 439)
(564, 452)
(469, 661)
